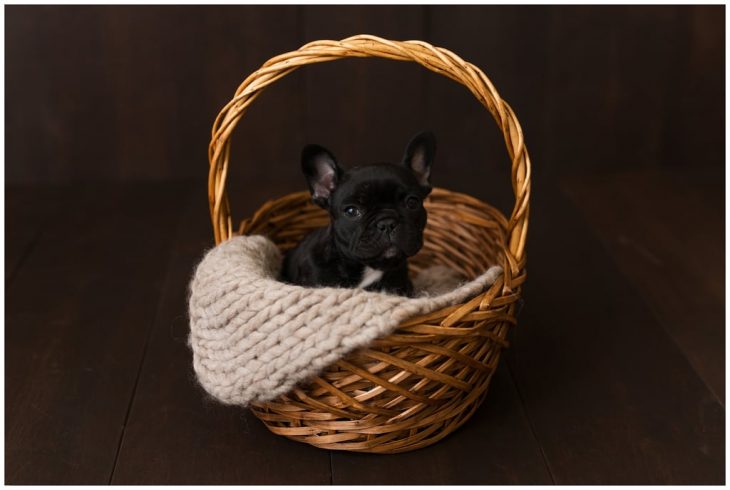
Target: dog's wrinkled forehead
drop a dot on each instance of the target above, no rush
(377, 183)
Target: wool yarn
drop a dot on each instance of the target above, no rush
(254, 338)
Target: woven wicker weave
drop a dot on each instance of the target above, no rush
(419, 384)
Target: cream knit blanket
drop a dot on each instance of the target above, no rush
(254, 338)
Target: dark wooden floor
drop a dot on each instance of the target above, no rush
(615, 374)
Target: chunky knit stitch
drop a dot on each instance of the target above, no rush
(254, 338)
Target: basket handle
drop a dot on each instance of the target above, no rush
(436, 59)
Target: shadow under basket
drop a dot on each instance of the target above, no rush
(419, 384)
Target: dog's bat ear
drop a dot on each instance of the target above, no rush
(322, 173)
(419, 157)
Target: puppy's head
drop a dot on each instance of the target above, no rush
(376, 210)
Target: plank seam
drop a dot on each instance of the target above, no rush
(148, 336)
(526, 414)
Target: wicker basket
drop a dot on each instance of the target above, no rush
(421, 383)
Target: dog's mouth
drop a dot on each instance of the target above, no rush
(391, 252)
(391, 258)
(382, 250)
(389, 255)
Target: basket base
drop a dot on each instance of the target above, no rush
(376, 434)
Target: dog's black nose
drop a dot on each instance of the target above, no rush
(386, 225)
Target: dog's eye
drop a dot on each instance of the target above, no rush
(352, 212)
(413, 202)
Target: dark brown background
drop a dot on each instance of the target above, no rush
(616, 371)
(131, 92)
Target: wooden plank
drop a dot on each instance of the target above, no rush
(364, 110)
(495, 447)
(611, 398)
(177, 434)
(695, 121)
(268, 140)
(508, 43)
(632, 80)
(55, 91)
(77, 315)
(191, 74)
(28, 210)
(614, 110)
(668, 238)
(147, 102)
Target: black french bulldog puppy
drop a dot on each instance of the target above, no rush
(376, 220)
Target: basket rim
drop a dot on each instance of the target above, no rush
(501, 290)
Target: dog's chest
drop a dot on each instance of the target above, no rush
(369, 277)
